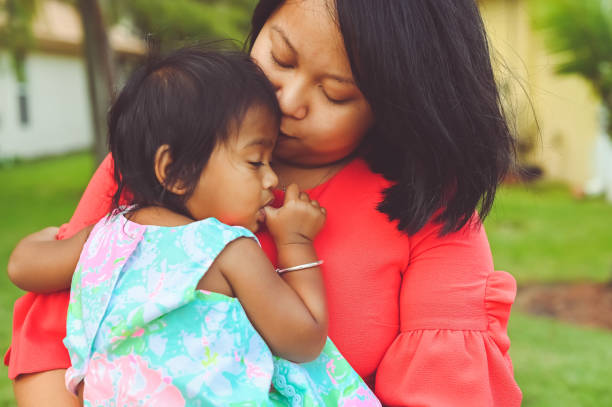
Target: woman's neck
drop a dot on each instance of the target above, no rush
(306, 177)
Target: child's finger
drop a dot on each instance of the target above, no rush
(48, 233)
(270, 212)
(292, 193)
(304, 197)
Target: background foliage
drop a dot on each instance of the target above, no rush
(580, 33)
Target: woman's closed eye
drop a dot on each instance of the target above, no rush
(334, 99)
(280, 62)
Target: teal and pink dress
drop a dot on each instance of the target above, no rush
(140, 333)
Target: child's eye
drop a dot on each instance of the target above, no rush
(256, 164)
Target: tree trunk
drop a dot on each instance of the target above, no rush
(100, 71)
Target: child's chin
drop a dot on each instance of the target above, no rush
(254, 227)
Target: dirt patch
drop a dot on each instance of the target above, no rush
(579, 303)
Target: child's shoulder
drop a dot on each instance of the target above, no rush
(208, 236)
(211, 229)
(169, 231)
(157, 216)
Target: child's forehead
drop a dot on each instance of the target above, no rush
(259, 127)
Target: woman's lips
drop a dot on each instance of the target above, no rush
(283, 136)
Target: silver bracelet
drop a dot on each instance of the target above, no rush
(300, 267)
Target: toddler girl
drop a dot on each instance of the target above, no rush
(173, 302)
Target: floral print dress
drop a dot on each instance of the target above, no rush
(140, 334)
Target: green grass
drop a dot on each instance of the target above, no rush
(34, 195)
(540, 234)
(557, 364)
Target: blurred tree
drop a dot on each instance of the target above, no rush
(175, 22)
(100, 70)
(16, 32)
(169, 22)
(580, 32)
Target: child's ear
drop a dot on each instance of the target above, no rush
(163, 158)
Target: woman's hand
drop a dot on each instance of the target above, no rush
(42, 264)
(296, 222)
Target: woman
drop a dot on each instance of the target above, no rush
(391, 120)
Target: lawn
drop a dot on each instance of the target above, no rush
(34, 195)
(538, 234)
(560, 365)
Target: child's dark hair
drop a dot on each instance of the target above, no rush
(190, 100)
(440, 131)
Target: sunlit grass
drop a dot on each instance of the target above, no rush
(557, 364)
(541, 233)
(34, 195)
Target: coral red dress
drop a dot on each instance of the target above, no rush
(422, 318)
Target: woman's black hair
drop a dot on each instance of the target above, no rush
(440, 132)
(190, 100)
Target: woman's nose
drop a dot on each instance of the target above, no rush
(292, 98)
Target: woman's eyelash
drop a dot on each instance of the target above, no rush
(278, 62)
(335, 101)
(256, 164)
(332, 100)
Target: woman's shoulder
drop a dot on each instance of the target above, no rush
(359, 170)
(355, 194)
(352, 200)
(356, 183)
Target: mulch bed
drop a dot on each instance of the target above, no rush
(579, 303)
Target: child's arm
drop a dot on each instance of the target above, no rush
(288, 310)
(42, 264)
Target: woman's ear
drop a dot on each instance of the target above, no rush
(163, 158)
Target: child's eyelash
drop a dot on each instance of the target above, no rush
(256, 164)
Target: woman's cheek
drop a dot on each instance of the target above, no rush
(342, 132)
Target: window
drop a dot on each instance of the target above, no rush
(24, 117)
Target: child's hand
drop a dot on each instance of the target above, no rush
(42, 264)
(297, 221)
(45, 235)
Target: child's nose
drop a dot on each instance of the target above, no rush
(270, 179)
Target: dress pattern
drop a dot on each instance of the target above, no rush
(140, 334)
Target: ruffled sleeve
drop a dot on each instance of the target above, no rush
(452, 349)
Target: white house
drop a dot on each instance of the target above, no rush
(50, 113)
